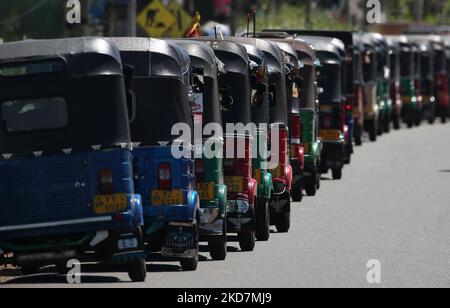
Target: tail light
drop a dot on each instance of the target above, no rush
(296, 129)
(165, 176)
(106, 182)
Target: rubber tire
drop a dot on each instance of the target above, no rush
(312, 186)
(358, 141)
(263, 221)
(283, 224)
(337, 174)
(218, 248)
(297, 193)
(396, 123)
(191, 264)
(373, 133)
(137, 269)
(444, 119)
(247, 240)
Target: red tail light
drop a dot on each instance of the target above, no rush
(106, 181)
(165, 176)
(296, 129)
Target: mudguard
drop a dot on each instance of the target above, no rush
(316, 150)
(223, 200)
(137, 209)
(252, 191)
(289, 177)
(267, 186)
(194, 205)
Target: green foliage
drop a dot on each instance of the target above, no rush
(292, 16)
(31, 19)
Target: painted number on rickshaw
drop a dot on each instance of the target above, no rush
(170, 197)
(110, 204)
(235, 184)
(206, 191)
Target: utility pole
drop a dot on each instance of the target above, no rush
(131, 18)
(308, 20)
(419, 10)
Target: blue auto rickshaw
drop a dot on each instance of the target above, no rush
(160, 87)
(66, 185)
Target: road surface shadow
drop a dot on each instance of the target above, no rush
(444, 171)
(59, 279)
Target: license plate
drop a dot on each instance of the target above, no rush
(170, 197)
(206, 191)
(329, 135)
(235, 184)
(110, 204)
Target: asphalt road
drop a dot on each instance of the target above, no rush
(393, 205)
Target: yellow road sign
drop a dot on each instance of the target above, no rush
(156, 19)
(182, 20)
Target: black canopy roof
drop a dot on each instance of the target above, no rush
(153, 57)
(277, 76)
(159, 87)
(84, 75)
(202, 55)
(236, 82)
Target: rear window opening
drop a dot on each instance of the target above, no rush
(18, 69)
(34, 114)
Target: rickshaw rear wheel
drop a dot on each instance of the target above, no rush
(312, 185)
(247, 240)
(444, 119)
(284, 222)
(358, 141)
(137, 270)
(297, 192)
(396, 122)
(263, 221)
(337, 174)
(218, 248)
(191, 264)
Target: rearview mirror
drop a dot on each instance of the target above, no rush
(128, 72)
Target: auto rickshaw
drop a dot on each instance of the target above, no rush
(395, 77)
(305, 98)
(160, 88)
(425, 83)
(235, 93)
(309, 112)
(66, 190)
(446, 39)
(296, 149)
(208, 170)
(352, 82)
(407, 86)
(371, 108)
(282, 173)
(331, 104)
(441, 78)
(260, 110)
(383, 81)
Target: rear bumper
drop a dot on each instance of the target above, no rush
(123, 221)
